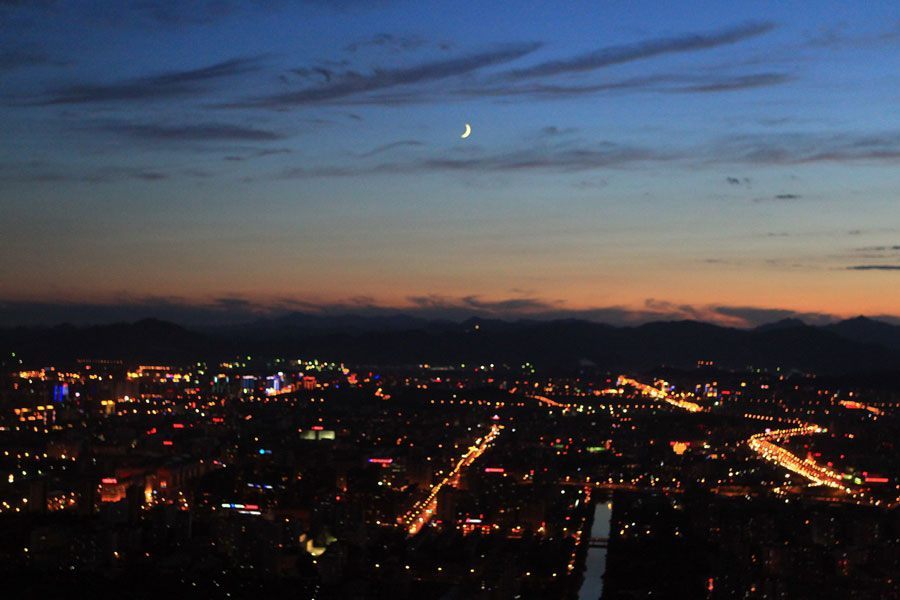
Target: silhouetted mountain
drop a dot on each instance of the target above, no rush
(149, 339)
(852, 346)
(869, 331)
(306, 323)
(782, 324)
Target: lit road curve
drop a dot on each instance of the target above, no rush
(422, 511)
(658, 394)
(764, 445)
(549, 402)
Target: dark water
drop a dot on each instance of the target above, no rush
(595, 564)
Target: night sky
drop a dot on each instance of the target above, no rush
(734, 162)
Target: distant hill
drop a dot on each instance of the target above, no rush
(852, 346)
(869, 331)
(148, 339)
(782, 324)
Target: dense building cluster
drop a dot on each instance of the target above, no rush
(304, 478)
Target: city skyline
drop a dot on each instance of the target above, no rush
(626, 163)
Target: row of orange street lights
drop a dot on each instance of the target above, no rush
(659, 394)
(422, 511)
(764, 445)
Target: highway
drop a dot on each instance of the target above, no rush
(549, 402)
(658, 394)
(764, 445)
(422, 511)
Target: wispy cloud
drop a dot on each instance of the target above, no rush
(352, 83)
(779, 197)
(734, 83)
(554, 159)
(196, 12)
(553, 131)
(799, 148)
(165, 85)
(616, 55)
(893, 248)
(143, 13)
(874, 268)
(40, 173)
(390, 42)
(193, 133)
(473, 304)
(787, 149)
(752, 316)
(257, 154)
(664, 83)
(575, 157)
(839, 37)
(391, 146)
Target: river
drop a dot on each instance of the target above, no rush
(595, 563)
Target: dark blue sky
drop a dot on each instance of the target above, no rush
(628, 160)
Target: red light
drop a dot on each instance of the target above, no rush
(251, 506)
(151, 431)
(177, 425)
(877, 479)
(109, 480)
(494, 469)
(381, 461)
(167, 442)
(317, 428)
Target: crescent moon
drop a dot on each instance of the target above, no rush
(467, 132)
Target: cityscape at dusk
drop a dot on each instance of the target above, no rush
(347, 299)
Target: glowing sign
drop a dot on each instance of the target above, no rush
(381, 461)
(494, 470)
(236, 506)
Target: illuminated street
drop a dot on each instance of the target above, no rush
(764, 445)
(659, 394)
(423, 510)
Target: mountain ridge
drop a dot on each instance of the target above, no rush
(853, 345)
